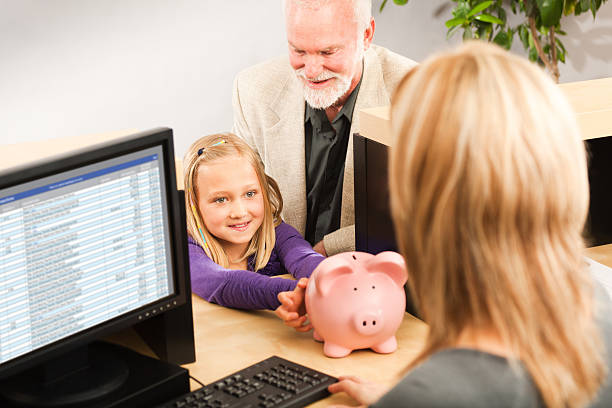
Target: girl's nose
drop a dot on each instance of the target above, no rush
(238, 210)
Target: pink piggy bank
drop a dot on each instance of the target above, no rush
(356, 300)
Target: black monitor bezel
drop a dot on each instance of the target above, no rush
(87, 156)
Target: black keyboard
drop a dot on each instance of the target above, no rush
(273, 382)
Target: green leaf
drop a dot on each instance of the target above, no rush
(550, 11)
(454, 22)
(400, 2)
(560, 55)
(487, 18)
(530, 40)
(533, 54)
(451, 31)
(560, 44)
(480, 7)
(502, 40)
(595, 4)
(461, 10)
(510, 38)
(467, 34)
(481, 31)
(524, 36)
(585, 5)
(382, 6)
(501, 13)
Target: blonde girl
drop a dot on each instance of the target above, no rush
(489, 195)
(237, 239)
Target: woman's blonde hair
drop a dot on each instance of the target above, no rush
(489, 195)
(219, 146)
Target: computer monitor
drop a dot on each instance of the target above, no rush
(598, 229)
(90, 243)
(374, 231)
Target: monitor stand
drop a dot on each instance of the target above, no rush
(81, 376)
(101, 375)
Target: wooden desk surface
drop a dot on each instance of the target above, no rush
(601, 254)
(228, 340)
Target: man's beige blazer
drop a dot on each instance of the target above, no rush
(269, 115)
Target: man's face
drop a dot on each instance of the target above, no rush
(325, 50)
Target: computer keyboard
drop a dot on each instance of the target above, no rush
(273, 382)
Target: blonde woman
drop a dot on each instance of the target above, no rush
(489, 194)
(237, 239)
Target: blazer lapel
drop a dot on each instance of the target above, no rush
(284, 146)
(372, 93)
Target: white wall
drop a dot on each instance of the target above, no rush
(75, 67)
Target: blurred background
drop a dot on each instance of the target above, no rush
(78, 67)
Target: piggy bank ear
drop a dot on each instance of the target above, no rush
(391, 264)
(328, 271)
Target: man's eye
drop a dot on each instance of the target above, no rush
(220, 200)
(251, 194)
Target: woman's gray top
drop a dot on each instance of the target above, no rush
(470, 378)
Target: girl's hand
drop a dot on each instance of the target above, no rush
(362, 391)
(292, 310)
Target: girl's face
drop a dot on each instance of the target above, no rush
(230, 201)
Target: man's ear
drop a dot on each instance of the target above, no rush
(368, 34)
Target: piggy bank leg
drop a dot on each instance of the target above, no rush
(334, 350)
(316, 336)
(387, 346)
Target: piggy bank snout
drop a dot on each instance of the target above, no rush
(368, 322)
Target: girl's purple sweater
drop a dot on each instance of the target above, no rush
(245, 289)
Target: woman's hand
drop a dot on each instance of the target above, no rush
(362, 391)
(292, 310)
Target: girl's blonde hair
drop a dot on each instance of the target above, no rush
(219, 146)
(489, 195)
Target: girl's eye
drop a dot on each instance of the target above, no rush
(250, 194)
(220, 200)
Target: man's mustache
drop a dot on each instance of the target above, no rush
(321, 77)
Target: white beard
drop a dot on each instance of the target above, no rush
(326, 97)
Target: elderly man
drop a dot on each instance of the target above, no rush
(297, 112)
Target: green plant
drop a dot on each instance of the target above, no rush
(538, 32)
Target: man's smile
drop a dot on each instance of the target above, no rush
(318, 84)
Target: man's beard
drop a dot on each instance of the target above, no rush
(326, 97)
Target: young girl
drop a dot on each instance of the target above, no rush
(237, 240)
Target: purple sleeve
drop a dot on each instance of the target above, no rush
(295, 253)
(233, 288)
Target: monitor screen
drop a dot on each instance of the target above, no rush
(82, 247)
(86, 246)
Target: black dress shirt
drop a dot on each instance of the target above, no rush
(326, 145)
